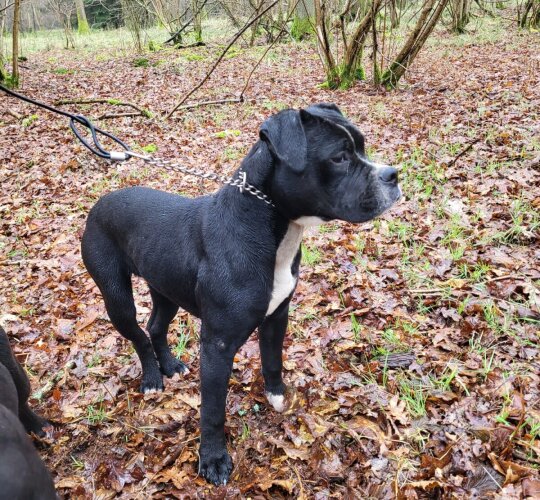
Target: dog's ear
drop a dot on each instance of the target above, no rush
(285, 137)
(325, 106)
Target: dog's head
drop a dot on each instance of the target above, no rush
(321, 169)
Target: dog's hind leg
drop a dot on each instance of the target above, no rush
(118, 296)
(163, 312)
(106, 264)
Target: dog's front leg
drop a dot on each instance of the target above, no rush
(215, 464)
(271, 335)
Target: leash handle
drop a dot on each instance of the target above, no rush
(96, 148)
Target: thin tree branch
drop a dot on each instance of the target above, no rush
(6, 7)
(241, 97)
(222, 55)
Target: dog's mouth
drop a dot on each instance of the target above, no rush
(392, 196)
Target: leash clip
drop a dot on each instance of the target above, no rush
(118, 156)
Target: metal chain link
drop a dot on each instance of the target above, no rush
(239, 182)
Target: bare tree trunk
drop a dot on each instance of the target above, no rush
(15, 46)
(353, 54)
(376, 68)
(82, 23)
(394, 15)
(461, 13)
(35, 18)
(3, 5)
(68, 32)
(323, 45)
(531, 15)
(197, 20)
(257, 7)
(342, 74)
(429, 17)
(131, 12)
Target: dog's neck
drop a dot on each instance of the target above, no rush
(258, 165)
(259, 168)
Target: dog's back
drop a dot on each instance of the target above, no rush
(136, 231)
(138, 211)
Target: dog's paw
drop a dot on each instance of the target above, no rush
(172, 366)
(152, 384)
(34, 424)
(277, 401)
(40, 430)
(216, 469)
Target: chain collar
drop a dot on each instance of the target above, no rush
(240, 182)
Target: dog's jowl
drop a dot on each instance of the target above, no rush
(22, 473)
(230, 258)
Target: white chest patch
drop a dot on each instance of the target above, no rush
(284, 281)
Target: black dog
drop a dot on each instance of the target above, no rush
(22, 473)
(230, 258)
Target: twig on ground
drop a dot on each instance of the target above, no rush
(108, 116)
(209, 103)
(115, 102)
(428, 291)
(53, 380)
(135, 428)
(12, 113)
(191, 45)
(492, 478)
(463, 151)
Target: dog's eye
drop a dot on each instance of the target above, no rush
(341, 159)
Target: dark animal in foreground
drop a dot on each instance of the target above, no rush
(23, 476)
(230, 258)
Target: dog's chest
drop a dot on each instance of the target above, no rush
(284, 280)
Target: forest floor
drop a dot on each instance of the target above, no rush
(413, 345)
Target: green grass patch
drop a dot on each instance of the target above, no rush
(149, 148)
(310, 255)
(227, 133)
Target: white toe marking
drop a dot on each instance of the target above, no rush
(277, 401)
(151, 391)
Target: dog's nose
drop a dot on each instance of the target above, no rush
(388, 174)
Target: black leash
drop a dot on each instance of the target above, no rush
(96, 147)
(239, 182)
